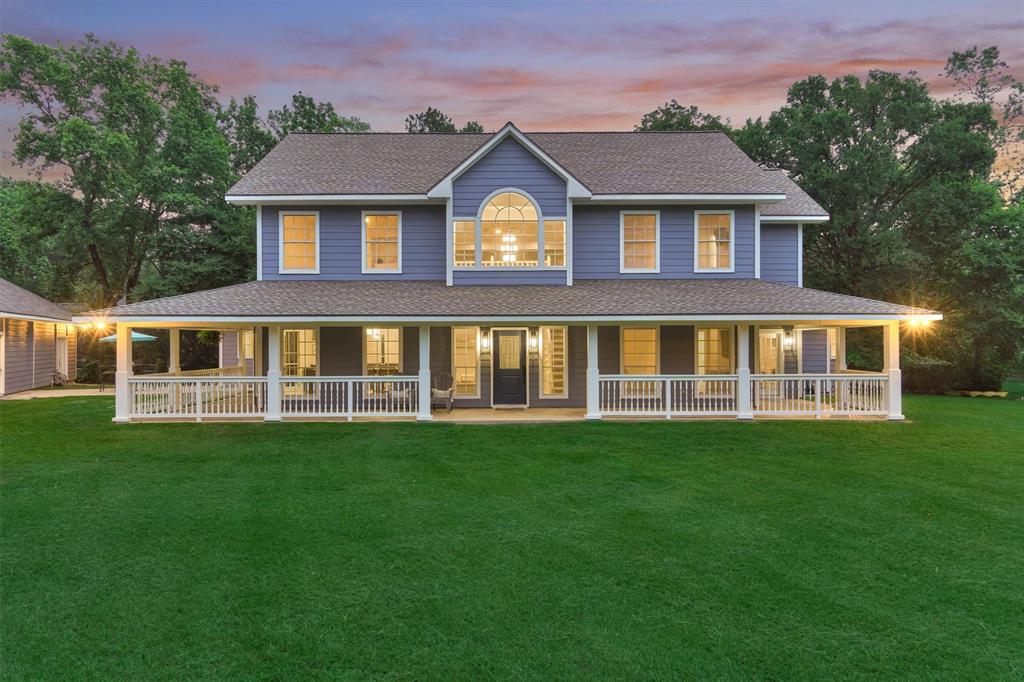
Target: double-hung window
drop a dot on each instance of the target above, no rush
(300, 242)
(383, 351)
(382, 241)
(639, 238)
(466, 361)
(554, 354)
(298, 359)
(714, 242)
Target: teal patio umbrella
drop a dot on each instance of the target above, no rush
(136, 336)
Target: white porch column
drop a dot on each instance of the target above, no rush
(424, 411)
(273, 374)
(174, 358)
(840, 350)
(891, 359)
(124, 370)
(744, 409)
(593, 375)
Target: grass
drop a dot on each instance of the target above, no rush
(773, 550)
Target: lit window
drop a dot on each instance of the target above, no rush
(639, 350)
(833, 343)
(508, 232)
(639, 242)
(714, 351)
(466, 362)
(465, 243)
(382, 242)
(714, 241)
(298, 242)
(248, 339)
(554, 243)
(298, 359)
(383, 351)
(553, 357)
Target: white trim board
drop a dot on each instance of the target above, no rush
(283, 199)
(794, 219)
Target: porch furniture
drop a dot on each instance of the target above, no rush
(442, 390)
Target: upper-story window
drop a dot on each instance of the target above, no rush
(639, 233)
(382, 241)
(509, 232)
(714, 246)
(299, 248)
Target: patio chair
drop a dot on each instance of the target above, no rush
(442, 390)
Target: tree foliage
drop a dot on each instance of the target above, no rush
(433, 120)
(674, 116)
(306, 115)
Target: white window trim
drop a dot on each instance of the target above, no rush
(401, 344)
(696, 239)
(316, 341)
(696, 348)
(564, 395)
(362, 244)
(657, 345)
(478, 252)
(280, 245)
(478, 368)
(657, 242)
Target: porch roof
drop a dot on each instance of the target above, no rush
(585, 299)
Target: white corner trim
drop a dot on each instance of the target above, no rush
(800, 254)
(259, 242)
(757, 242)
(280, 245)
(449, 242)
(794, 219)
(696, 240)
(362, 245)
(443, 188)
(622, 242)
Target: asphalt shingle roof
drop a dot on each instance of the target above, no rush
(316, 298)
(15, 301)
(605, 162)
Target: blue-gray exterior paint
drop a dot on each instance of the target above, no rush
(814, 349)
(780, 258)
(596, 243)
(509, 164)
(677, 349)
(505, 277)
(423, 242)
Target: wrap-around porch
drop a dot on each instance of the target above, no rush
(532, 372)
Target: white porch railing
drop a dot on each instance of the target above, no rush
(196, 397)
(819, 395)
(627, 395)
(205, 372)
(349, 397)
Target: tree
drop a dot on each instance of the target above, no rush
(436, 121)
(144, 162)
(247, 135)
(308, 116)
(674, 116)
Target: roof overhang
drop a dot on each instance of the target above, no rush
(794, 218)
(35, 318)
(686, 198)
(299, 199)
(443, 189)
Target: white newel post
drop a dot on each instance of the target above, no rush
(891, 355)
(424, 405)
(124, 370)
(593, 375)
(273, 374)
(744, 408)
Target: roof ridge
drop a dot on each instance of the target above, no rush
(524, 132)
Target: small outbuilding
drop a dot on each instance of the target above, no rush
(38, 344)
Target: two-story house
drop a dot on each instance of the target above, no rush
(606, 274)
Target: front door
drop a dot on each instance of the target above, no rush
(508, 367)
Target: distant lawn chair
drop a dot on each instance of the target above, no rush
(442, 390)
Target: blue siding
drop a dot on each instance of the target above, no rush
(509, 165)
(780, 246)
(423, 242)
(596, 243)
(506, 278)
(814, 346)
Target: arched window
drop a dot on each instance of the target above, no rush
(509, 227)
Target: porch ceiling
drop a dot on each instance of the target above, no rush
(586, 299)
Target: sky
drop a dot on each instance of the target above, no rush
(545, 66)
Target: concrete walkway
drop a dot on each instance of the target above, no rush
(57, 393)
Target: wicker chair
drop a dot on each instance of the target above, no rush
(442, 390)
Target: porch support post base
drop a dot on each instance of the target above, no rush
(895, 396)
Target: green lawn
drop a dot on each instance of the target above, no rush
(774, 550)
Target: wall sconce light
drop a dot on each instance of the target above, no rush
(485, 339)
(788, 341)
(533, 340)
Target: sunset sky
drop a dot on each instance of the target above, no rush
(546, 66)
